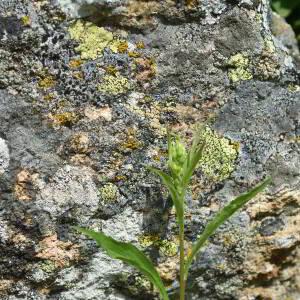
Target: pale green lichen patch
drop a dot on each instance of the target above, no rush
(114, 84)
(165, 247)
(168, 248)
(109, 193)
(92, 39)
(239, 68)
(219, 155)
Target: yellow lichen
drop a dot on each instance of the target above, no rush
(109, 192)
(239, 68)
(134, 54)
(140, 45)
(26, 21)
(47, 82)
(219, 155)
(111, 70)
(49, 97)
(64, 119)
(148, 240)
(123, 47)
(114, 85)
(75, 63)
(92, 39)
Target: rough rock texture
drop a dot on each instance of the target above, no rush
(86, 103)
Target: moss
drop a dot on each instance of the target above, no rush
(217, 162)
(47, 82)
(92, 39)
(114, 85)
(239, 68)
(109, 192)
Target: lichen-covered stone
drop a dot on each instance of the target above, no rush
(92, 39)
(4, 156)
(86, 103)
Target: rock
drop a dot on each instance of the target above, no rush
(4, 156)
(88, 90)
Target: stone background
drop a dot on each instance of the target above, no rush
(88, 89)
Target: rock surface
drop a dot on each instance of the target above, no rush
(85, 103)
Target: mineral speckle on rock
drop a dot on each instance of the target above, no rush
(88, 89)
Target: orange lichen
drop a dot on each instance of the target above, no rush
(59, 252)
(23, 186)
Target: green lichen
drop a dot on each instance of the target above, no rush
(109, 192)
(48, 266)
(92, 39)
(239, 68)
(114, 84)
(293, 88)
(219, 155)
(168, 248)
(148, 240)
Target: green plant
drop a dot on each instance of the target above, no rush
(181, 165)
(290, 10)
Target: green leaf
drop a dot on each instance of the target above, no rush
(223, 216)
(284, 7)
(193, 158)
(168, 182)
(129, 254)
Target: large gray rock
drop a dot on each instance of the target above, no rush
(86, 103)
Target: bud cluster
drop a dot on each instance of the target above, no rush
(177, 157)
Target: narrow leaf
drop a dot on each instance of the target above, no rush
(193, 158)
(129, 254)
(223, 216)
(168, 182)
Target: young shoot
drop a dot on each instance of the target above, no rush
(181, 165)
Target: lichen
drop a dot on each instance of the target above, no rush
(109, 192)
(148, 240)
(47, 82)
(92, 39)
(75, 63)
(114, 84)
(26, 21)
(219, 155)
(64, 119)
(122, 46)
(168, 248)
(239, 68)
(48, 266)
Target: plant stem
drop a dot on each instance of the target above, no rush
(182, 273)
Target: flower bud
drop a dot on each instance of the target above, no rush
(177, 157)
